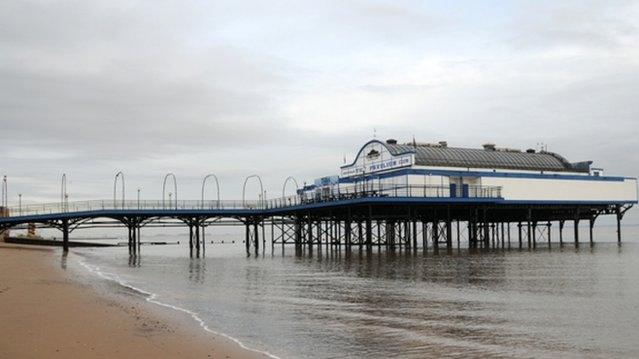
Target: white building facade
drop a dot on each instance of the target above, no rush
(450, 173)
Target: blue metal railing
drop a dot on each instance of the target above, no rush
(325, 194)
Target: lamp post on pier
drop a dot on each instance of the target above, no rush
(119, 175)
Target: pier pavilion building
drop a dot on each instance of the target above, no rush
(514, 176)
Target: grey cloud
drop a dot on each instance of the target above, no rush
(576, 24)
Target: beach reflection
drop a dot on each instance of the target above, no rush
(63, 260)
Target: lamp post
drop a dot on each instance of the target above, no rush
(139, 198)
(20, 203)
(119, 175)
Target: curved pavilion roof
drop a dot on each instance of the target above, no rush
(444, 156)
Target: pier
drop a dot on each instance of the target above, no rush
(393, 217)
(409, 197)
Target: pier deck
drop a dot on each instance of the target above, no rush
(406, 216)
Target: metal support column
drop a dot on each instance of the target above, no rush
(248, 238)
(520, 239)
(256, 237)
(414, 234)
(619, 216)
(65, 235)
(435, 238)
(591, 222)
(190, 238)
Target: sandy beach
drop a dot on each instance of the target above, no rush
(46, 313)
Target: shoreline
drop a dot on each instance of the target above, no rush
(46, 312)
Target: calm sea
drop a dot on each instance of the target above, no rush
(568, 302)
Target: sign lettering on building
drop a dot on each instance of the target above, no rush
(365, 167)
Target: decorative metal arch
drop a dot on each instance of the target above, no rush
(120, 174)
(174, 188)
(289, 178)
(217, 186)
(244, 189)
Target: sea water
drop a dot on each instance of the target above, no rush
(547, 302)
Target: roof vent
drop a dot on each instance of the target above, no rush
(443, 143)
(530, 150)
(391, 141)
(489, 146)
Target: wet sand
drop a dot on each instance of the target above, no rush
(45, 313)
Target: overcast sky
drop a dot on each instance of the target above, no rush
(283, 88)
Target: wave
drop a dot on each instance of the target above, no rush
(152, 298)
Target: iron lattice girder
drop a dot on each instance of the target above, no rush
(428, 212)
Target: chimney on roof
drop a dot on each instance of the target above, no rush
(443, 143)
(391, 141)
(489, 146)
